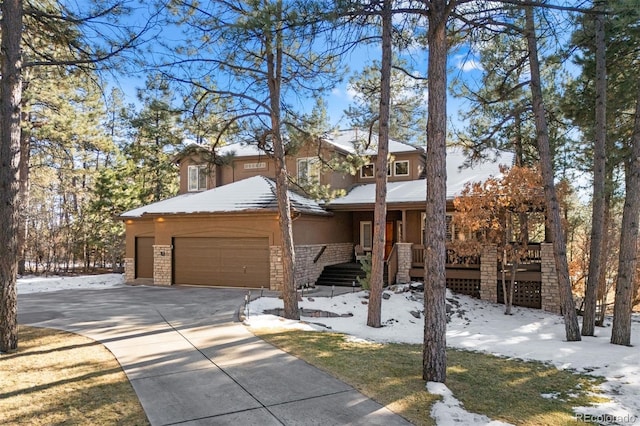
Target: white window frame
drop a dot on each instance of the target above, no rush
(308, 164)
(395, 169)
(199, 171)
(373, 171)
(366, 235)
(450, 227)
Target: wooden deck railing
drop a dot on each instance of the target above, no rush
(392, 266)
(453, 260)
(473, 262)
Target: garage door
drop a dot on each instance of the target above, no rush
(144, 257)
(233, 262)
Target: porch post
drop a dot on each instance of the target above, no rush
(489, 273)
(403, 251)
(549, 286)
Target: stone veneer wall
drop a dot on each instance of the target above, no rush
(162, 264)
(129, 269)
(307, 272)
(549, 287)
(276, 275)
(489, 273)
(403, 251)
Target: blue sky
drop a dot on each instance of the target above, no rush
(461, 65)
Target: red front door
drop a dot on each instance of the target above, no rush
(389, 238)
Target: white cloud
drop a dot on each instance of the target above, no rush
(468, 64)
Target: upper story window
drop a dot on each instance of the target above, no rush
(367, 171)
(308, 169)
(255, 166)
(197, 178)
(401, 168)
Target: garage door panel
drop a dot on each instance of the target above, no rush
(144, 257)
(237, 262)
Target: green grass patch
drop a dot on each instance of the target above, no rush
(391, 374)
(57, 378)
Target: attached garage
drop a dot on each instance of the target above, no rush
(212, 261)
(144, 257)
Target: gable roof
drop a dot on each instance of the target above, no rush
(354, 141)
(351, 141)
(415, 191)
(249, 195)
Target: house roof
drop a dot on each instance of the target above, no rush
(415, 191)
(248, 195)
(354, 141)
(350, 141)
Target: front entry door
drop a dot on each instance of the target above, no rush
(389, 238)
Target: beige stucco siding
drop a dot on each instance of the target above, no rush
(322, 230)
(137, 228)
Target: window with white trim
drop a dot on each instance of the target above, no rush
(197, 179)
(401, 168)
(367, 171)
(366, 235)
(450, 229)
(308, 169)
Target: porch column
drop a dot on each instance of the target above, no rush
(162, 273)
(403, 251)
(550, 293)
(489, 273)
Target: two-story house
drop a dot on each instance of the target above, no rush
(222, 229)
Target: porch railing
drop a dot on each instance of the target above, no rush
(452, 261)
(392, 266)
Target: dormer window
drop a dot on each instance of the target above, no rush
(367, 171)
(197, 178)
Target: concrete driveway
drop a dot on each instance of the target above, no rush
(192, 363)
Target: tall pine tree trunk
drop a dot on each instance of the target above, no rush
(434, 356)
(572, 328)
(10, 101)
(628, 260)
(599, 167)
(23, 197)
(274, 49)
(374, 315)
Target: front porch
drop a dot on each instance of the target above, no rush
(481, 276)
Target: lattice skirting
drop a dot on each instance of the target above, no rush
(526, 293)
(470, 287)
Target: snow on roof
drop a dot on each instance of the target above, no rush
(252, 194)
(240, 150)
(416, 190)
(353, 141)
(350, 141)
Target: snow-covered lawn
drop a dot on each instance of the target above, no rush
(34, 284)
(529, 334)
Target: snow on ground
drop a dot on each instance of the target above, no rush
(34, 284)
(529, 334)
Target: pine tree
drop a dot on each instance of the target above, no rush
(156, 137)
